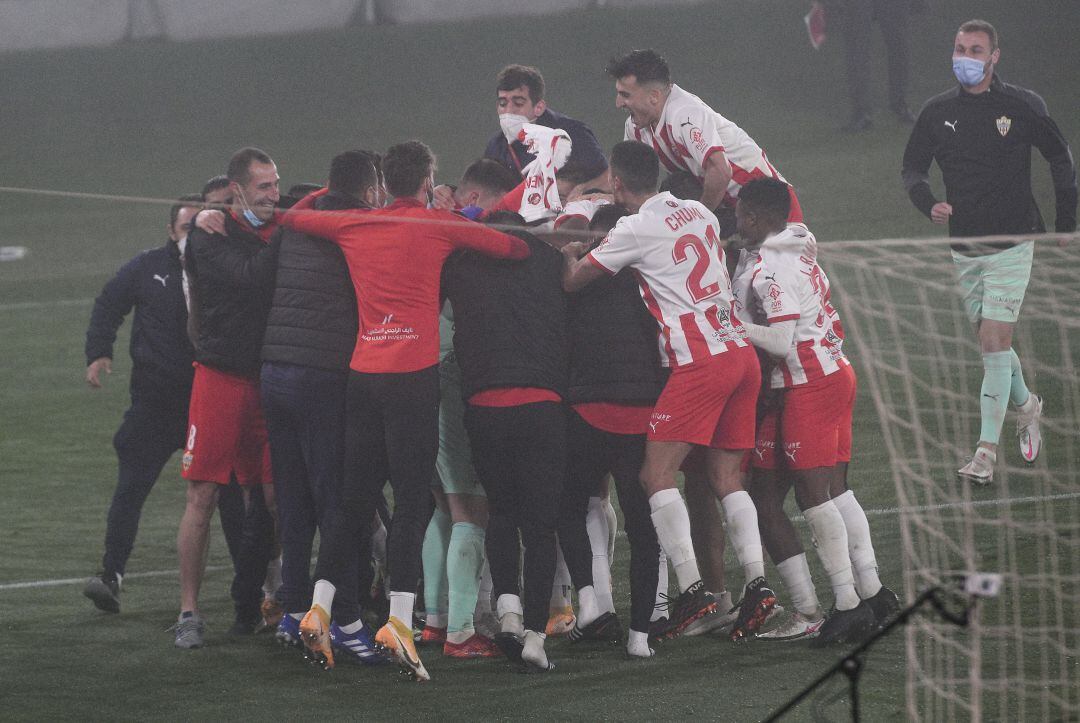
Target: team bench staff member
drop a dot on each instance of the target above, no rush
(981, 133)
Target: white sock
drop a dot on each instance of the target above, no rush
(323, 595)
(660, 612)
(637, 644)
(672, 523)
(272, 581)
(508, 608)
(795, 574)
(560, 586)
(401, 606)
(830, 539)
(742, 528)
(860, 547)
(588, 607)
(612, 527)
(435, 620)
(596, 524)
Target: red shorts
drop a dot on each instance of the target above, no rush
(226, 430)
(814, 425)
(710, 403)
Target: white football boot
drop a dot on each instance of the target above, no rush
(980, 470)
(1027, 429)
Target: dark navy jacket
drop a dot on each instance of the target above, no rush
(586, 160)
(149, 283)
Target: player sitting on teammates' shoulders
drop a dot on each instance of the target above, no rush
(688, 135)
(806, 440)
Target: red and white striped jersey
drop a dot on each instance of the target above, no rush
(674, 248)
(790, 285)
(689, 131)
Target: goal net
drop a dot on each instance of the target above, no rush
(919, 363)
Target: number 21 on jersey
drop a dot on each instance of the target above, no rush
(702, 261)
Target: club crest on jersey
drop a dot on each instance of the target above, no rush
(697, 138)
(672, 204)
(186, 461)
(534, 199)
(1004, 123)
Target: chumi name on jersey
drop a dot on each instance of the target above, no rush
(683, 216)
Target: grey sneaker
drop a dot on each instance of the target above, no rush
(189, 631)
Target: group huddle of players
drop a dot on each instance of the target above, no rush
(555, 321)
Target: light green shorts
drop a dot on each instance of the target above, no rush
(993, 285)
(454, 464)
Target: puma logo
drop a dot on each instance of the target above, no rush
(652, 426)
(687, 123)
(952, 125)
(760, 453)
(771, 277)
(161, 278)
(995, 397)
(790, 454)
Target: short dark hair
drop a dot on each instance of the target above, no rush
(636, 165)
(491, 176)
(190, 200)
(647, 66)
(514, 76)
(505, 218)
(214, 184)
(405, 166)
(607, 216)
(981, 26)
(684, 185)
(769, 196)
(239, 171)
(353, 171)
(299, 190)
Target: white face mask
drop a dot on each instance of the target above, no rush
(511, 125)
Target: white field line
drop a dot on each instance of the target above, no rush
(870, 513)
(20, 305)
(84, 578)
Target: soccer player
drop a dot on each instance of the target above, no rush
(806, 438)
(510, 342)
(161, 354)
(688, 135)
(981, 133)
(310, 334)
(232, 281)
(395, 255)
(674, 246)
(520, 99)
(615, 379)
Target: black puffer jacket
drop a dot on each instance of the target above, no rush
(312, 320)
(232, 281)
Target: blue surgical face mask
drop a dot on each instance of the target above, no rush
(969, 71)
(249, 215)
(252, 219)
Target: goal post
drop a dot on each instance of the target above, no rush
(919, 362)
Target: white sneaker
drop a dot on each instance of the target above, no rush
(1027, 429)
(980, 470)
(799, 627)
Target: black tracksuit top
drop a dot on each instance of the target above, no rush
(982, 143)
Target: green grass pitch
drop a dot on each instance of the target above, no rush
(151, 119)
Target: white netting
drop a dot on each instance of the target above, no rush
(919, 361)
